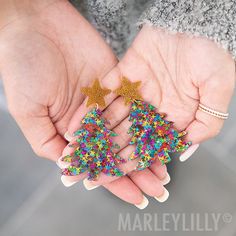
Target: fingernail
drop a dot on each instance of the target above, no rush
(143, 204)
(61, 164)
(163, 197)
(189, 152)
(68, 137)
(166, 180)
(88, 185)
(66, 182)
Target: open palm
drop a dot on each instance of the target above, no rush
(177, 72)
(45, 57)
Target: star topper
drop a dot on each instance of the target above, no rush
(95, 94)
(129, 90)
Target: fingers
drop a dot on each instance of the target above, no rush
(122, 187)
(130, 189)
(116, 112)
(149, 184)
(156, 172)
(116, 117)
(126, 190)
(146, 180)
(159, 170)
(122, 138)
(125, 168)
(216, 94)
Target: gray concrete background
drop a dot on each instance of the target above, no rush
(34, 202)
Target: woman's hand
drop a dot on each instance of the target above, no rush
(46, 55)
(177, 72)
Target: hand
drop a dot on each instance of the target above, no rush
(177, 72)
(45, 58)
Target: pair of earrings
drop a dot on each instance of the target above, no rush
(153, 136)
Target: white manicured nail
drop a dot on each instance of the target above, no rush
(143, 204)
(66, 182)
(163, 197)
(166, 180)
(189, 152)
(68, 137)
(88, 185)
(61, 164)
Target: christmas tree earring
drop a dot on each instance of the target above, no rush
(93, 145)
(154, 136)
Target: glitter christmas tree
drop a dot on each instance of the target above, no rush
(154, 136)
(93, 149)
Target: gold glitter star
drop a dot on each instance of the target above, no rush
(96, 94)
(129, 90)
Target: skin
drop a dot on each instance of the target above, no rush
(47, 53)
(177, 72)
(46, 56)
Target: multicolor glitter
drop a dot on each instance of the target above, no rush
(154, 136)
(93, 149)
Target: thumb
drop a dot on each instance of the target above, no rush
(41, 134)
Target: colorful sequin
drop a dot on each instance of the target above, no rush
(154, 136)
(93, 149)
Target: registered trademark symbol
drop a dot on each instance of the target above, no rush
(227, 218)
